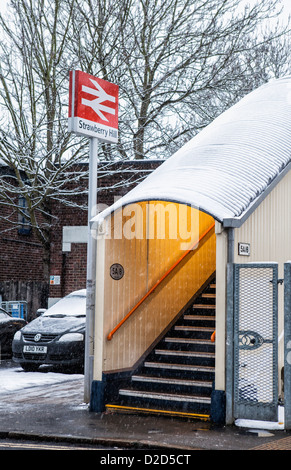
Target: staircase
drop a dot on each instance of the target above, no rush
(176, 378)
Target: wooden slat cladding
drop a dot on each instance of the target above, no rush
(146, 239)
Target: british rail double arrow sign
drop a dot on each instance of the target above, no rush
(93, 107)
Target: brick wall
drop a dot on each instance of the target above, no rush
(21, 262)
(21, 266)
(21, 254)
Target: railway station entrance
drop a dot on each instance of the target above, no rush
(190, 306)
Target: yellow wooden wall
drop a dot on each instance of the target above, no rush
(147, 239)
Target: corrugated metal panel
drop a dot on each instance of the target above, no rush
(226, 167)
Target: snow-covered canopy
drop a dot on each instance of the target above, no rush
(228, 165)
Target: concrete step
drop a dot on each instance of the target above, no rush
(177, 377)
(193, 328)
(189, 316)
(179, 367)
(172, 381)
(164, 396)
(204, 306)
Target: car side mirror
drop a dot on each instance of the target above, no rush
(40, 311)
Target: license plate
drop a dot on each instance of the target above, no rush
(35, 349)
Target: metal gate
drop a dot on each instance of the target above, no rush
(255, 305)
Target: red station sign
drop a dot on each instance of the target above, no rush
(93, 107)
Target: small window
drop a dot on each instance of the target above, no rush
(24, 227)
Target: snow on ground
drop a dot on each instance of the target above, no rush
(13, 379)
(19, 389)
(273, 425)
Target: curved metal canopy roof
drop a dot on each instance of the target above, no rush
(230, 164)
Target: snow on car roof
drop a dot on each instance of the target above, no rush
(81, 292)
(72, 304)
(229, 164)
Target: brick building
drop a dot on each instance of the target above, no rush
(21, 267)
(21, 273)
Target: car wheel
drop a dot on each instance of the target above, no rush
(29, 367)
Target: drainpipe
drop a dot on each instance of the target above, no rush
(230, 245)
(229, 364)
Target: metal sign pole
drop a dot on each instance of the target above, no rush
(86, 117)
(91, 270)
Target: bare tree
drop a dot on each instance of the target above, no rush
(34, 141)
(178, 63)
(175, 62)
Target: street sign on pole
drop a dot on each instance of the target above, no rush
(93, 107)
(93, 112)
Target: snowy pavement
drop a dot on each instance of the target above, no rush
(48, 404)
(44, 386)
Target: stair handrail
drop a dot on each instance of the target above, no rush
(152, 289)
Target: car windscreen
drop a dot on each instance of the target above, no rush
(72, 305)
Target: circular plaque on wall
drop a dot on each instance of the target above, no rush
(116, 271)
